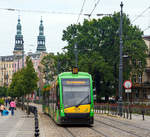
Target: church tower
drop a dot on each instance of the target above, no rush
(41, 39)
(19, 43)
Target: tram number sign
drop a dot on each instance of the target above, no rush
(127, 84)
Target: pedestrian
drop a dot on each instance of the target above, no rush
(12, 106)
(5, 112)
(2, 107)
(6, 102)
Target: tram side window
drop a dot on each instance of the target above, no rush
(57, 95)
(46, 98)
(54, 95)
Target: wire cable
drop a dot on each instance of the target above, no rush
(141, 14)
(38, 11)
(94, 8)
(146, 28)
(81, 10)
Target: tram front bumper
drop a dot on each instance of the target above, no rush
(76, 118)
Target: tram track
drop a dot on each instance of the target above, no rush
(123, 130)
(124, 123)
(72, 135)
(91, 131)
(98, 132)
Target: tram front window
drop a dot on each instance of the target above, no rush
(75, 95)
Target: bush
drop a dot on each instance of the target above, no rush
(2, 101)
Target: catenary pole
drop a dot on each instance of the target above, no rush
(120, 65)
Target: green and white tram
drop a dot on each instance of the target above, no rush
(69, 99)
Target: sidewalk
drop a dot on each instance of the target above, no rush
(18, 125)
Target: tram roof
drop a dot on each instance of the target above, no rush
(70, 74)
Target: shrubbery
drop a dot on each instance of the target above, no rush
(1, 101)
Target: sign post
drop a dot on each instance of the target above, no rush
(127, 85)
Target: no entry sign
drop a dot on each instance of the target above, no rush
(127, 84)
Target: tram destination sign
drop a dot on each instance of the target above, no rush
(75, 81)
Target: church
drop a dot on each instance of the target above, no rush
(12, 63)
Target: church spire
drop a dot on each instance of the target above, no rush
(19, 38)
(19, 27)
(41, 39)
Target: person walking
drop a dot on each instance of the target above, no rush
(6, 102)
(12, 107)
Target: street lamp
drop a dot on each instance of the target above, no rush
(23, 55)
(101, 14)
(76, 55)
(120, 66)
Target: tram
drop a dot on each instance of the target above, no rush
(69, 99)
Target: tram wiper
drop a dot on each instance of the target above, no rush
(82, 101)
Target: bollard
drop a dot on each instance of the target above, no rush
(124, 112)
(130, 111)
(143, 114)
(36, 134)
(127, 112)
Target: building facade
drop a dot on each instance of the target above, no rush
(141, 87)
(12, 63)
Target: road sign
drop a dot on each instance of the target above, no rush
(128, 90)
(127, 84)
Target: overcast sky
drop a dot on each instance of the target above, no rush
(55, 20)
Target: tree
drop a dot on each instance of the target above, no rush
(24, 81)
(17, 86)
(3, 91)
(98, 46)
(49, 67)
(30, 77)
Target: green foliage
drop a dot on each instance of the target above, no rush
(50, 67)
(3, 91)
(1, 101)
(98, 50)
(30, 77)
(24, 81)
(17, 86)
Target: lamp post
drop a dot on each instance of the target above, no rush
(120, 65)
(76, 55)
(23, 55)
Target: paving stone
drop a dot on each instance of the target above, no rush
(18, 125)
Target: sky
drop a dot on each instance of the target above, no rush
(56, 16)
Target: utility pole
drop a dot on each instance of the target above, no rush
(76, 55)
(23, 55)
(120, 65)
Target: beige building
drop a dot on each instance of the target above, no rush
(6, 70)
(141, 88)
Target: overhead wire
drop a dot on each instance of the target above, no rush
(94, 7)
(81, 10)
(140, 14)
(38, 11)
(146, 28)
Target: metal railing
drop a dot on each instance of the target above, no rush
(127, 110)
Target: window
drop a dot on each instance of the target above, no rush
(140, 63)
(140, 78)
(76, 92)
(134, 62)
(134, 78)
(137, 93)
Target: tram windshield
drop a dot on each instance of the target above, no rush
(76, 92)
